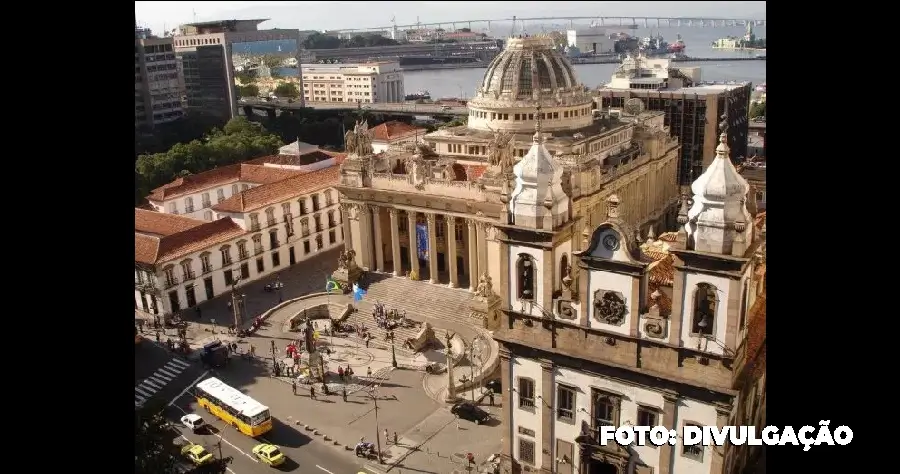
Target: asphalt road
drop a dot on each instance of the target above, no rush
(304, 454)
(397, 107)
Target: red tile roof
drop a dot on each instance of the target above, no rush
(391, 130)
(161, 224)
(266, 195)
(160, 237)
(294, 160)
(662, 263)
(223, 175)
(199, 238)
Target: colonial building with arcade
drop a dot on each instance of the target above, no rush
(590, 334)
(433, 210)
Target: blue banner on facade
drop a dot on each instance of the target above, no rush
(422, 241)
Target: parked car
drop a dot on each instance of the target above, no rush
(468, 411)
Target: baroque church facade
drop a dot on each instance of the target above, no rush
(612, 348)
(435, 211)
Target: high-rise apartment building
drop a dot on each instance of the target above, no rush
(363, 83)
(157, 86)
(696, 112)
(209, 53)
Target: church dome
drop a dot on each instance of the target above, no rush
(530, 72)
(526, 66)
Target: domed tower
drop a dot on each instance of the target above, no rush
(528, 73)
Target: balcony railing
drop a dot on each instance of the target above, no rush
(244, 255)
(257, 250)
(226, 261)
(189, 276)
(170, 282)
(254, 227)
(270, 222)
(189, 209)
(305, 232)
(303, 211)
(275, 244)
(207, 204)
(332, 224)
(207, 269)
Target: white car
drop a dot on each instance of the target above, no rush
(192, 421)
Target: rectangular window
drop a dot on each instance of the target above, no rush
(526, 451)
(565, 403)
(331, 238)
(647, 416)
(526, 393)
(276, 259)
(604, 410)
(228, 279)
(260, 265)
(693, 452)
(305, 246)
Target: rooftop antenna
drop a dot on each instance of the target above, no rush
(512, 32)
(194, 13)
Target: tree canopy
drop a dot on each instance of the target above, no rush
(240, 140)
(287, 89)
(250, 90)
(758, 109)
(322, 41)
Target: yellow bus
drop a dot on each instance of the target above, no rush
(233, 407)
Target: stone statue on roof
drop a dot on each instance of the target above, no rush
(357, 141)
(500, 150)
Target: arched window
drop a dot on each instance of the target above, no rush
(563, 267)
(459, 172)
(188, 204)
(705, 305)
(207, 216)
(525, 272)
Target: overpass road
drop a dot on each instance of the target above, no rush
(390, 108)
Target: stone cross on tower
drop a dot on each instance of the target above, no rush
(538, 138)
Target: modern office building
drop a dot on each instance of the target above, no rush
(592, 40)
(208, 53)
(157, 85)
(696, 112)
(364, 83)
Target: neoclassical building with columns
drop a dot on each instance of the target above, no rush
(431, 210)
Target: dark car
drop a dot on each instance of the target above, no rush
(468, 411)
(494, 386)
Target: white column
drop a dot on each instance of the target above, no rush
(482, 249)
(473, 256)
(451, 250)
(379, 240)
(432, 248)
(395, 241)
(345, 224)
(413, 252)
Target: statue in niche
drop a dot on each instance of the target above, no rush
(347, 260)
(357, 141)
(417, 170)
(609, 307)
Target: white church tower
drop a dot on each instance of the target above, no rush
(538, 201)
(536, 257)
(714, 260)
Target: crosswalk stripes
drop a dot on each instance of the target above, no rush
(158, 380)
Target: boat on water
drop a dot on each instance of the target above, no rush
(420, 95)
(678, 46)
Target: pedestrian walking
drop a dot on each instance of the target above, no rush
(341, 373)
(367, 341)
(252, 350)
(140, 324)
(294, 386)
(491, 397)
(369, 372)
(197, 309)
(158, 337)
(395, 439)
(325, 389)
(312, 392)
(457, 421)
(386, 439)
(344, 394)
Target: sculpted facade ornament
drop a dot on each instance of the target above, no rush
(357, 141)
(392, 211)
(417, 170)
(656, 324)
(609, 307)
(347, 260)
(500, 150)
(430, 218)
(485, 288)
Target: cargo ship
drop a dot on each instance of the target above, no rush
(678, 46)
(427, 60)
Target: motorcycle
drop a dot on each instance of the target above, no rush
(268, 288)
(366, 450)
(256, 324)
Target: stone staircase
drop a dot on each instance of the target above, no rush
(421, 298)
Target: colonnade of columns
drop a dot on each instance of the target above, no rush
(468, 249)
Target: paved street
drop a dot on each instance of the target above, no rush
(160, 374)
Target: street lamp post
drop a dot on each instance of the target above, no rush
(235, 305)
(274, 361)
